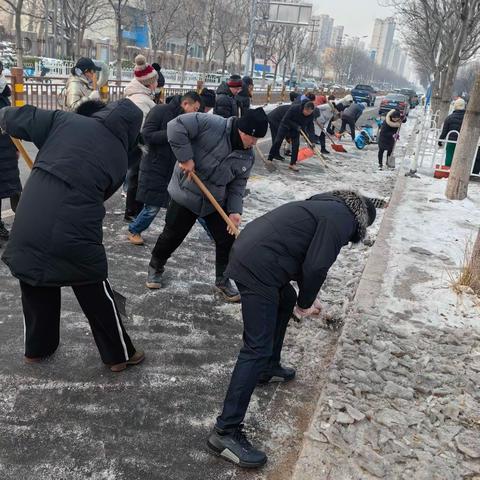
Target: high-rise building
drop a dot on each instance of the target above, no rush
(337, 36)
(394, 57)
(325, 31)
(382, 40)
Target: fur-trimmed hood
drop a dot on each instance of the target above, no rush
(358, 206)
(392, 123)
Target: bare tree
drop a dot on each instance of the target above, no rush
(161, 16)
(15, 7)
(206, 33)
(118, 7)
(188, 27)
(466, 148)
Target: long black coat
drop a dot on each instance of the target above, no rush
(386, 139)
(56, 237)
(243, 99)
(9, 173)
(157, 164)
(275, 117)
(294, 118)
(297, 241)
(225, 104)
(453, 122)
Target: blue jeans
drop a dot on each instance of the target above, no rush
(144, 219)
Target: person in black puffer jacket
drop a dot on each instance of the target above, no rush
(386, 138)
(57, 234)
(453, 123)
(244, 97)
(10, 186)
(298, 241)
(226, 104)
(156, 166)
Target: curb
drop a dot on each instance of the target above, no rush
(309, 459)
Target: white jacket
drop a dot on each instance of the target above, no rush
(141, 96)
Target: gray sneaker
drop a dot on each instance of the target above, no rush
(154, 278)
(227, 289)
(234, 447)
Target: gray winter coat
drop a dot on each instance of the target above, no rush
(207, 140)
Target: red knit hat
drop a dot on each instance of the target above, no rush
(234, 81)
(143, 71)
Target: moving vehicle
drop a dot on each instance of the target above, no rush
(395, 100)
(412, 96)
(364, 93)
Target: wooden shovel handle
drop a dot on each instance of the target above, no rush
(94, 81)
(212, 200)
(18, 143)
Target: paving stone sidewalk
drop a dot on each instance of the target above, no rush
(402, 400)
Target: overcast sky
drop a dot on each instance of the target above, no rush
(357, 16)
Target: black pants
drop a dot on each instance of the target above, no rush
(351, 124)
(264, 325)
(41, 309)
(282, 133)
(132, 207)
(380, 154)
(178, 222)
(321, 139)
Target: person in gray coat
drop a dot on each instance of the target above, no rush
(349, 117)
(219, 150)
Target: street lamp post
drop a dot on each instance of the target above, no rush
(250, 38)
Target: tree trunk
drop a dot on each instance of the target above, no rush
(18, 33)
(466, 149)
(475, 265)
(446, 95)
(119, 45)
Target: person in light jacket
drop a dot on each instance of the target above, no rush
(79, 87)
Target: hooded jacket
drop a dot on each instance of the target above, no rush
(207, 139)
(140, 95)
(298, 241)
(389, 128)
(56, 237)
(77, 91)
(225, 104)
(156, 166)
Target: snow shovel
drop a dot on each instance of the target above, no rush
(212, 200)
(336, 146)
(315, 150)
(268, 163)
(18, 143)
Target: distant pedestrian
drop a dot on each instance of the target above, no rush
(156, 166)
(219, 150)
(10, 186)
(297, 117)
(226, 103)
(56, 238)
(453, 123)
(79, 86)
(244, 97)
(140, 90)
(349, 117)
(298, 241)
(388, 135)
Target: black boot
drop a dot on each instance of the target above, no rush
(276, 373)
(4, 235)
(276, 157)
(154, 276)
(234, 447)
(228, 290)
(324, 151)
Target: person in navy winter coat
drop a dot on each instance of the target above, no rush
(298, 241)
(57, 235)
(156, 166)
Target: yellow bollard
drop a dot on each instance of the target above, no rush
(18, 87)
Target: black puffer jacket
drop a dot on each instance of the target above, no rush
(453, 122)
(297, 241)
(243, 99)
(57, 235)
(157, 164)
(226, 104)
(295, 119)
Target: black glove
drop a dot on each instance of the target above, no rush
(440, 144)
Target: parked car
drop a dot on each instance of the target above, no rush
(395, 100)
(412, 96)
(364, 93)
(307, 86)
